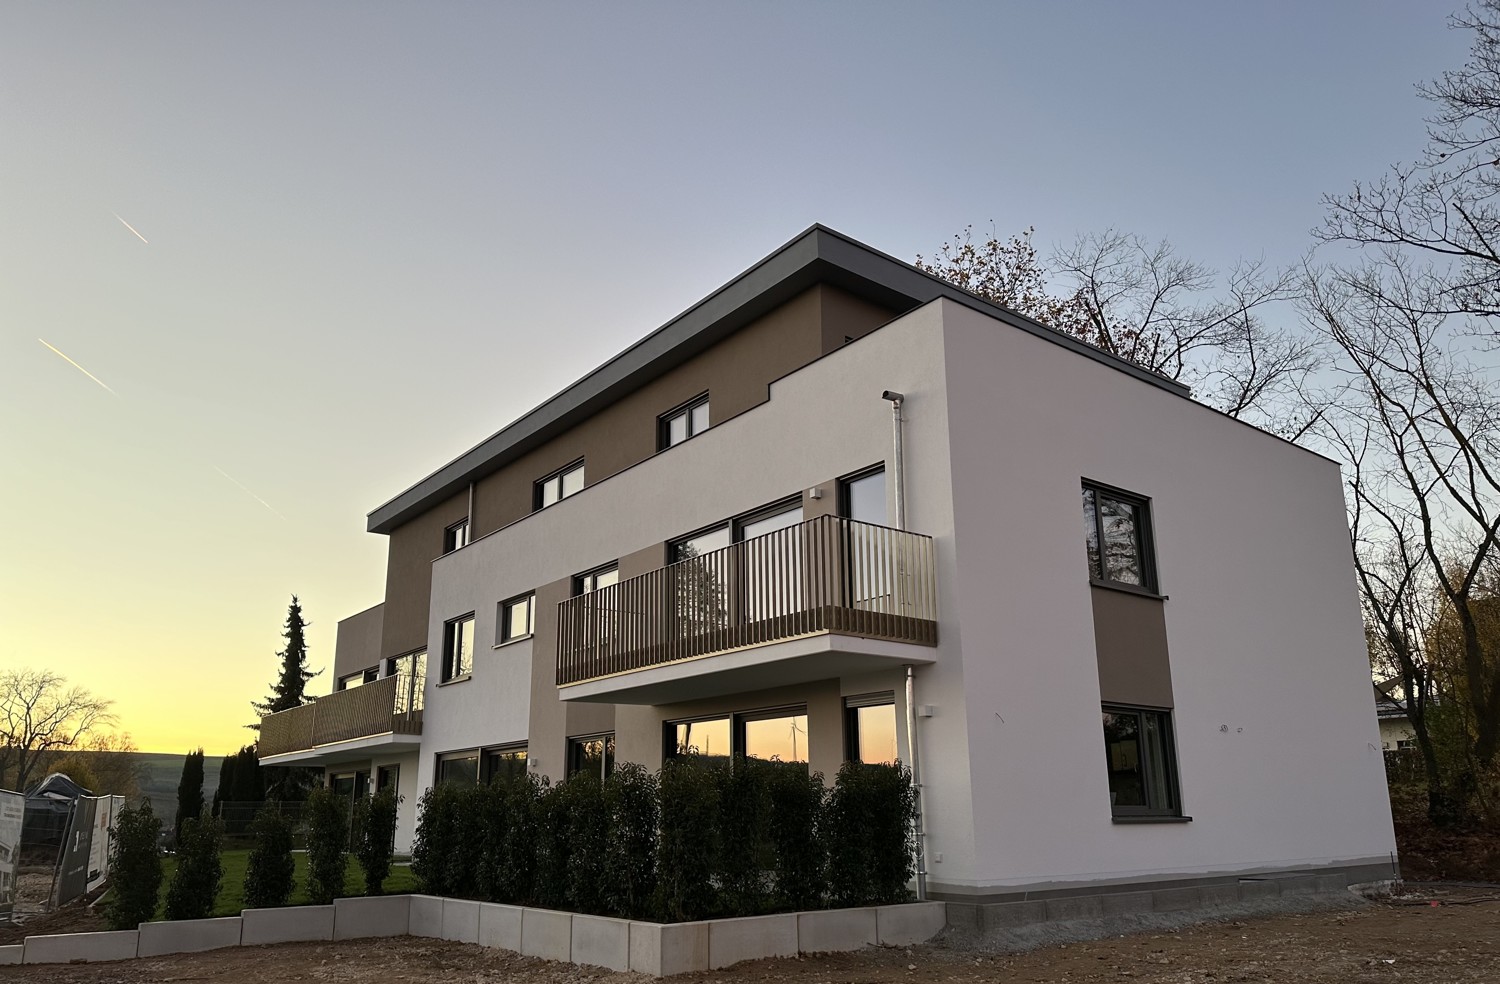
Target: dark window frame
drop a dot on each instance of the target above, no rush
(486, 773)
(664, 422)
(576, 742)
(737, 721)
(1145, 533)
(538, 487)
(845, 503)
(456, 536)
(458, 756)
(592, 572)
(852, 706)
(451, 668)
(503, 609)
(1166, 727)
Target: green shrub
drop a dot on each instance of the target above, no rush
(196, 878)
(134, 868)
(327, 818)
(448, 850)
(508, 871)
(584, 825)
(374, 829)
(629, 869)
(796, 840)
(688, 846)
(744, 837)
(868, 831)
(270, 867)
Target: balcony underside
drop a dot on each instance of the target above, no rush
(817, 656)
(353, 750)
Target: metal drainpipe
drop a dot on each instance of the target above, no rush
(919, 829)
(896, 399)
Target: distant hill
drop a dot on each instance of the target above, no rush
(159, 774)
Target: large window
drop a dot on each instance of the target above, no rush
(1142, 765)
(456, 536)
(558, 486)
(870, 729)
(1117, 533)
(592, 755)
(458, 767)
(458, 648)
(516, 617)
(688, 420)
(411, 672)
(505, 762)
(779, 734)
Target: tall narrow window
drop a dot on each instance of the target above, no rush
(688, 420)
(458, 648)
(456, 536)
(1117, 537)
(862, 496)
(1142, 765)
(870, 729)
(411, 683)
(558, 486)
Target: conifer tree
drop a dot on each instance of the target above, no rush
(289, 689)
(189, 791)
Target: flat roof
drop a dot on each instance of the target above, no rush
(817, 256)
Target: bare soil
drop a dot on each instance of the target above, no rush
(1408, 939)
(1431, 853)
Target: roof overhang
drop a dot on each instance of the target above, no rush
(818, 256)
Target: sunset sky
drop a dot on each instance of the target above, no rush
(300, 253)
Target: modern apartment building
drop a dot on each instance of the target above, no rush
(1127, 622)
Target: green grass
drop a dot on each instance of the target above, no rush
(232, 890)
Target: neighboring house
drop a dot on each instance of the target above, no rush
(1129, 620)
(1395, 727)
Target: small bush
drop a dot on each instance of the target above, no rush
(629, 863)
(269, 869)
(327, 818)
(196, 879)
(868, 831)
(375, 837)
(134, 868)
(796, 837)
(688, 847)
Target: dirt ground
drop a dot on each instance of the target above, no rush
(1404, 940)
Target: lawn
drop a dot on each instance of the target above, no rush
(232, 890)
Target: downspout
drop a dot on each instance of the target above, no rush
(899, 465)
(919, 832)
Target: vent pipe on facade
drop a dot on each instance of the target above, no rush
(899, 465)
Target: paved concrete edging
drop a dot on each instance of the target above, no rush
(658, 949)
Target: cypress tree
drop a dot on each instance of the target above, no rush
(189, 791)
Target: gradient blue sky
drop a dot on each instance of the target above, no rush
(378, 232)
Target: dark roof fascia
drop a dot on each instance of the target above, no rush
(818, 255)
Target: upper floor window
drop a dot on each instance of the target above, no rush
(558, 486)
(456, 536)
(602, 577)
(516, 617)
(862, 496)
(369, 675)
(1117, 533)
(686, 421)
(458, 648)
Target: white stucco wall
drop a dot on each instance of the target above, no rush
(1275, 728)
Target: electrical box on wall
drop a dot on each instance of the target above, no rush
(925, 710)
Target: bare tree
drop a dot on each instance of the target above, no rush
(1143, 302)
(39, 715)
(1416, 425)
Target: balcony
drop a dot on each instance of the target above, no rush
(820, 599)
(385, 715)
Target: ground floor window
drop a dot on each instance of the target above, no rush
(870, 729)
(458, 767)
(779, 734)
(1141, 760)
(387, 777)
(505, 762)
(592, 755)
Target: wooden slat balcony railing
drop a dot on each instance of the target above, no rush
(387, 706)
(828, 574)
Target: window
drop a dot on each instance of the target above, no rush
(688, 420)
(387, 777)
(592, 755)
(411, 673)
(505, 762)
(516, 617)
(458, 767)
(352, 680)
(1117, 532)
(558, 486)
(458, 648)
(779, 734)
(1142, 765)
(862, 496)
(456, 536)
(870, 729)
(601, 577)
